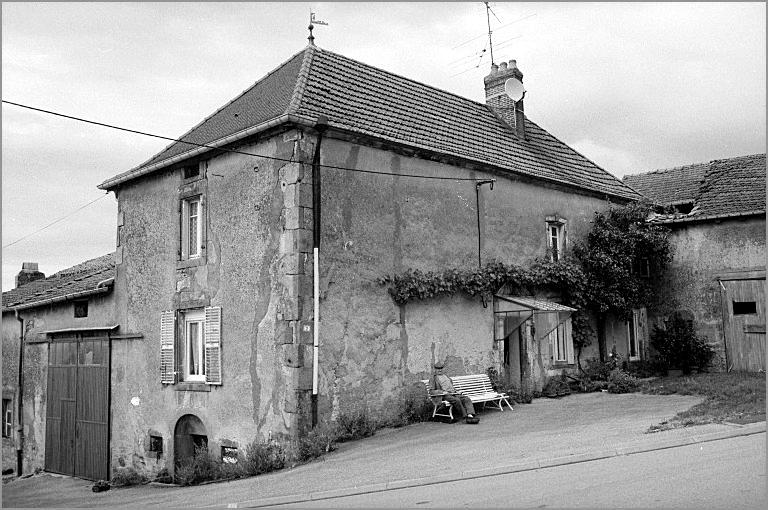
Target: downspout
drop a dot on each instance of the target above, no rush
(477, 209)
(20, 403)
(320, 126)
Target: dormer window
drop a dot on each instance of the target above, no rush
(556, 239)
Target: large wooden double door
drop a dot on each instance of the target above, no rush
(77, 418)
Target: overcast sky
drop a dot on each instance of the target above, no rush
(634, 87)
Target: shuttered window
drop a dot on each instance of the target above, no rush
(195, 355)
(167, 347)
(213, 345)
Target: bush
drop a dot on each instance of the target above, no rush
(596, 370)
(414, 406)
(316, 442)
(679, 347)
(355, 422)
(645, 368)
(163, 476)
(201, 467)
(262, 457)
(556, 387)
(126, 476)
(621, 382)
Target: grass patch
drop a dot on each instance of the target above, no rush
(735, 397)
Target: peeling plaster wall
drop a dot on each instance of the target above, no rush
(11, 330)
(251, 255)
(374, 225)
(702, 250)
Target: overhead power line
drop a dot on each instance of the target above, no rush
(275, 158)
(56, 221)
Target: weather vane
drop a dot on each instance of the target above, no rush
(312, 22)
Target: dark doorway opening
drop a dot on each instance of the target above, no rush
(189, 435)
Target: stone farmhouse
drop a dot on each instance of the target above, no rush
(245, 302)
(716, 211)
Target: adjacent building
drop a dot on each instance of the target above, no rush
(716, 211)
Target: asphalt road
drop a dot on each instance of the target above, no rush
(728, 473)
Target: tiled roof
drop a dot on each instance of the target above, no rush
(732, 186)
(363, 99)
(671, 186)
(728, 187)
(80, 278)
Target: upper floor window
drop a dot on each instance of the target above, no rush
(191, 227)
(81, 309)
(191, 352)
(555, 238)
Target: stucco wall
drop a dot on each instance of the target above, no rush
(248, 251)
(11, 331)
(373, 225)
(702, 250)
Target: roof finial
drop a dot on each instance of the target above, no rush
(311, 27)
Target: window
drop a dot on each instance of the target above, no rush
(7, 417)
(744, 308)
(156, 444)
(555, 238)
(229, 454)
(81, 309)
(561, 342)
(191, 171)
(191, 352)
(641, 267)
(194, 342)
(191, 228)
(633, 326)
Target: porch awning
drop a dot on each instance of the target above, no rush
(81, 330)
(537, 305)
(511, 312)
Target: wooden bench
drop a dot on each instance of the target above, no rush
(479, 389)
(438, 403)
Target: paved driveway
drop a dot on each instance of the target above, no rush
(572, 427)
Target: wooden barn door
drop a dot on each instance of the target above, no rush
(77, 426)
(744, 324)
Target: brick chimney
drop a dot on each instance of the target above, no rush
(28, 273)
(495, 97)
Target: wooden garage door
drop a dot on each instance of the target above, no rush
(77, 419)
(744, 324)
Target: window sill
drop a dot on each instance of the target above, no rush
(182, 264)
(563, 364)
(192, 386)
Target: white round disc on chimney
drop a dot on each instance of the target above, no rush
(514, 89)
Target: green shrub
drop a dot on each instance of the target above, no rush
(263, 457)
(414, 406)
(126, 476)
(556, 387)
(679, 346)
(316, 442)
(201, 467)
(595, 370)
(645, 368)
(163, 476)
(621, 382)
(355, 422)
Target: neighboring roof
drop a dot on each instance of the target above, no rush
(76, 281)
(728, 187)
(359, 98)
(672, 186)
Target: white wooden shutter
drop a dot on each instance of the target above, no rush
(213, 344)
(568, 327)
(167, 344)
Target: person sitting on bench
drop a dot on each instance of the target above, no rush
(441, 385)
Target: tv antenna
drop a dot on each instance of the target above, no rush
(488, 12)
(311, 26)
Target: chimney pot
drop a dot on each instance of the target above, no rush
(503, 67)
(511, 112)
(29, 266)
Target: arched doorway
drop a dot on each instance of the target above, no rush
(188, 435)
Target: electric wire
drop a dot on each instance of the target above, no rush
(56, 221)
(275, 158)
(499, 28)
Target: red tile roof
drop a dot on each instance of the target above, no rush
(720, 188)
(671, 186)
(363, 99)
(77, 279)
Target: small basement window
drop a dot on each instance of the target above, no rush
(156, 444)
(229, 454)
(744, 308)
(81, 308)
